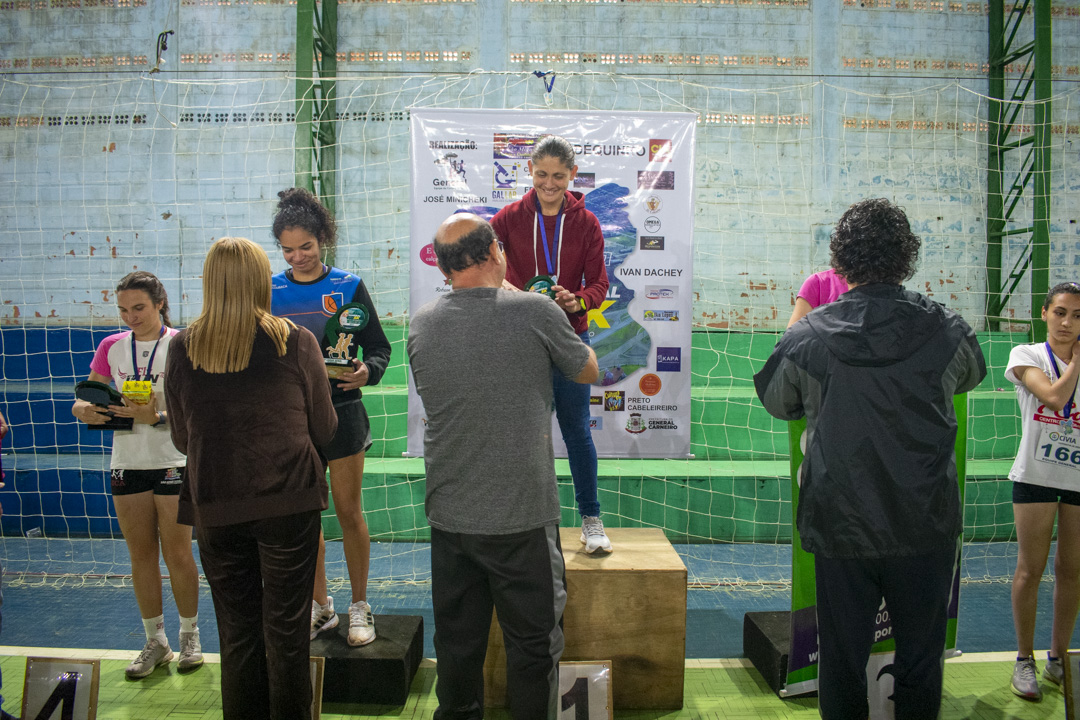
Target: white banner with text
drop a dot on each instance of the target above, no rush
(636, 171)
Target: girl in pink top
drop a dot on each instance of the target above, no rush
(820, 288)
(147, 471)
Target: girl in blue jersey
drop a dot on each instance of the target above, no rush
(310, 293)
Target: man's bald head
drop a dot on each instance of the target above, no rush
(463, 241)
(457, 225)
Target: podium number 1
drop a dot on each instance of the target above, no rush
(585, 690)
(578, 698)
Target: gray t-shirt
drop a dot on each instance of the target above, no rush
(482, 360)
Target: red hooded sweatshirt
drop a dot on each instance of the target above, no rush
(576, 251)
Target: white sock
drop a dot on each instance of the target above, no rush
(190, 624)
(155, 629)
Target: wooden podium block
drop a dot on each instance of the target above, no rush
(378, 673)
(628, 607)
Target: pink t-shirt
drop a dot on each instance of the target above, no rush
(822, 288)
(143, 447)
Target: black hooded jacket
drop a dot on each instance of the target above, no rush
(875, 373)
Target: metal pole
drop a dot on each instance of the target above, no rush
(1040, 242)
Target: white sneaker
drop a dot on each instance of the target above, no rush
(1054, 670)
(323, 617)
(361, 624)
(593, 536)
(153, 654)
(190, 651)
(1025, 681)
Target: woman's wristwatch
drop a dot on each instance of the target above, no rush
(160, 419)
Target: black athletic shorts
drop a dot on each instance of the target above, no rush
(166, 481)
(353, 434)
(1027, 493)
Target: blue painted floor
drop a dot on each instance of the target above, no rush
(73, 594)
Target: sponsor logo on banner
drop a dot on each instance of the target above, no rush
(451, 144)
(457, 166)
(653, 204)
(596, 423)
(658, 315)
(596, 400)
(652, 223)
(659, 292)
(649, 384)
(668, 359)
(614, 400)
(585, 180)
(511, 146)
(660, 151)
(645, 404)
(635, 424)
(651, 242)
(610, 150)
(505, 174)
(331, 302)
(649, 272)
(656, 179)
(662, 424)
(427, 255)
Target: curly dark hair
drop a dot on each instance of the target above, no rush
(299, 208)
(1070, 288)
(873, 243)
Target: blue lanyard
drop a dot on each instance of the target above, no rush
(1053, 363)
(543, 233)
(135, 357)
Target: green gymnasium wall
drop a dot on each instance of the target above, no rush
(736, 489)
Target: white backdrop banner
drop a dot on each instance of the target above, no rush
(637, 173)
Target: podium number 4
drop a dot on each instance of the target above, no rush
(60, 689)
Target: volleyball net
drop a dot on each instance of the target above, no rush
(103, 176)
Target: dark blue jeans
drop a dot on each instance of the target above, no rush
(572, 412)
(261, 575)
(849, 592)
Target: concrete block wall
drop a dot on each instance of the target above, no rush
(805, 107)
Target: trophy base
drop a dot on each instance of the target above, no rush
(336, 371)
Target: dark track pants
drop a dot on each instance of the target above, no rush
(849, 593)
(262, 576)
(522, 576)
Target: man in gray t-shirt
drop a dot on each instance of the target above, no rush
(482, 359)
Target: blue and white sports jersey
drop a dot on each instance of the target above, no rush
(311, 304)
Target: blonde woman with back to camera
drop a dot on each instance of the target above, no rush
(249, 404)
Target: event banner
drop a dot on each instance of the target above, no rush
(803, 655)
(636, 173)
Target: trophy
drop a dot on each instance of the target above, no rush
(340, 330)
(542, 284)
(102, 396)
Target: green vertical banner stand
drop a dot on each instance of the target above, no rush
(803, 654)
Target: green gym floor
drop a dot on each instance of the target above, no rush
(976, 686)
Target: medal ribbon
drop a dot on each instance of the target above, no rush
(134, 355)
(543, 234)
(1053, 363)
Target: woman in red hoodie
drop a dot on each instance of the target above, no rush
(549, 232)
